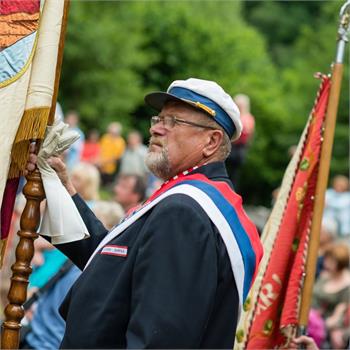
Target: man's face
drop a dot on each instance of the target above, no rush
(172, 150)
(124, 192)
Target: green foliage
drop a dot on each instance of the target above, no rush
(116, 52)
(102, 63)
(281, 23)
(231, 53)
(314, 50)
(302, 40)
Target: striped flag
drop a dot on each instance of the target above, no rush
(271, 310)
(30, 32)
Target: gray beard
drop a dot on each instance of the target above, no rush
(158, 163)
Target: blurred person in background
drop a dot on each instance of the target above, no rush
(240, 147)
(86, 180)
(338, 326)
(73, 154)
(333, 288)
(129, 190)
(46, 261)
(45, 326)
(133, 160)
(109, 213)
(328, 235)
(337, 206)
(91, 149)
(112, 147)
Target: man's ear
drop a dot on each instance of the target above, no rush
(213, 142)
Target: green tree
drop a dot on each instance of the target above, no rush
(210, 40)
(102, 62)
(117, 51)
(314, 51)
(281, 22)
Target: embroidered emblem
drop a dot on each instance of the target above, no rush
(116, 250)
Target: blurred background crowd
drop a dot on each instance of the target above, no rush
(110, 174)
(260, 51)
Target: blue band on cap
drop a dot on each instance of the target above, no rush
(221, 117)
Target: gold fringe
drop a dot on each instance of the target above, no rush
(2, 251)
(33, 125)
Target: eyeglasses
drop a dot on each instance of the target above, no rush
(169, 122)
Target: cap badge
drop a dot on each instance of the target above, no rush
(206, 108)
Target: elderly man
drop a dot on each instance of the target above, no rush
(176, 271)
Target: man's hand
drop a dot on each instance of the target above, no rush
(304, 340)
(32, 161)
(56, 163)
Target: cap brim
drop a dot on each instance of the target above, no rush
(157, 100)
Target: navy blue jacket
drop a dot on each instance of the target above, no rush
(174, 289)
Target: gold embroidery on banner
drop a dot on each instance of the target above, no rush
(239, 335)
(268, 327)
(247, 304)
(300, 196)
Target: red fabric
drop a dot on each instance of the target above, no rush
(8, 203)
(277, 303)
(12, 6)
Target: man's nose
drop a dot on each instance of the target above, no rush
(158, 129)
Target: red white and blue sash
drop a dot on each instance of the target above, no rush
(224, 208)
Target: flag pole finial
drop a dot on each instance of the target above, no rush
(343, 31)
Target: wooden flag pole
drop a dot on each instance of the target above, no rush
(29, 224)
(59, 61)
(325, 160)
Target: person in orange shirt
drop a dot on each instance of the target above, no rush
(112, 147)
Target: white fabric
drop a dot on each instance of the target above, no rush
(61, 220)
(34, 88)
(42, 80)
(215, 216)
(216, 93)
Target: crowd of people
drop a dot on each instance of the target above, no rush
(109, 153)
(329, 320)
(118, 164)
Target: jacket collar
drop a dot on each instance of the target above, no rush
(213, 171)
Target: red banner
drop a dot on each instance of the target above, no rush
(277, 304)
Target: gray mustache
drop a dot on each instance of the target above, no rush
(153, 141)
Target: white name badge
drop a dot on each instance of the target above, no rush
(116, 250)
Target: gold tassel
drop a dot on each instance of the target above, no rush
(2, 251)
(33, 125)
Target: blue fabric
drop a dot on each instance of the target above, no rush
(53, 260)
(241, 236)
(47, 325)
(15, 57)
(221, 117)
